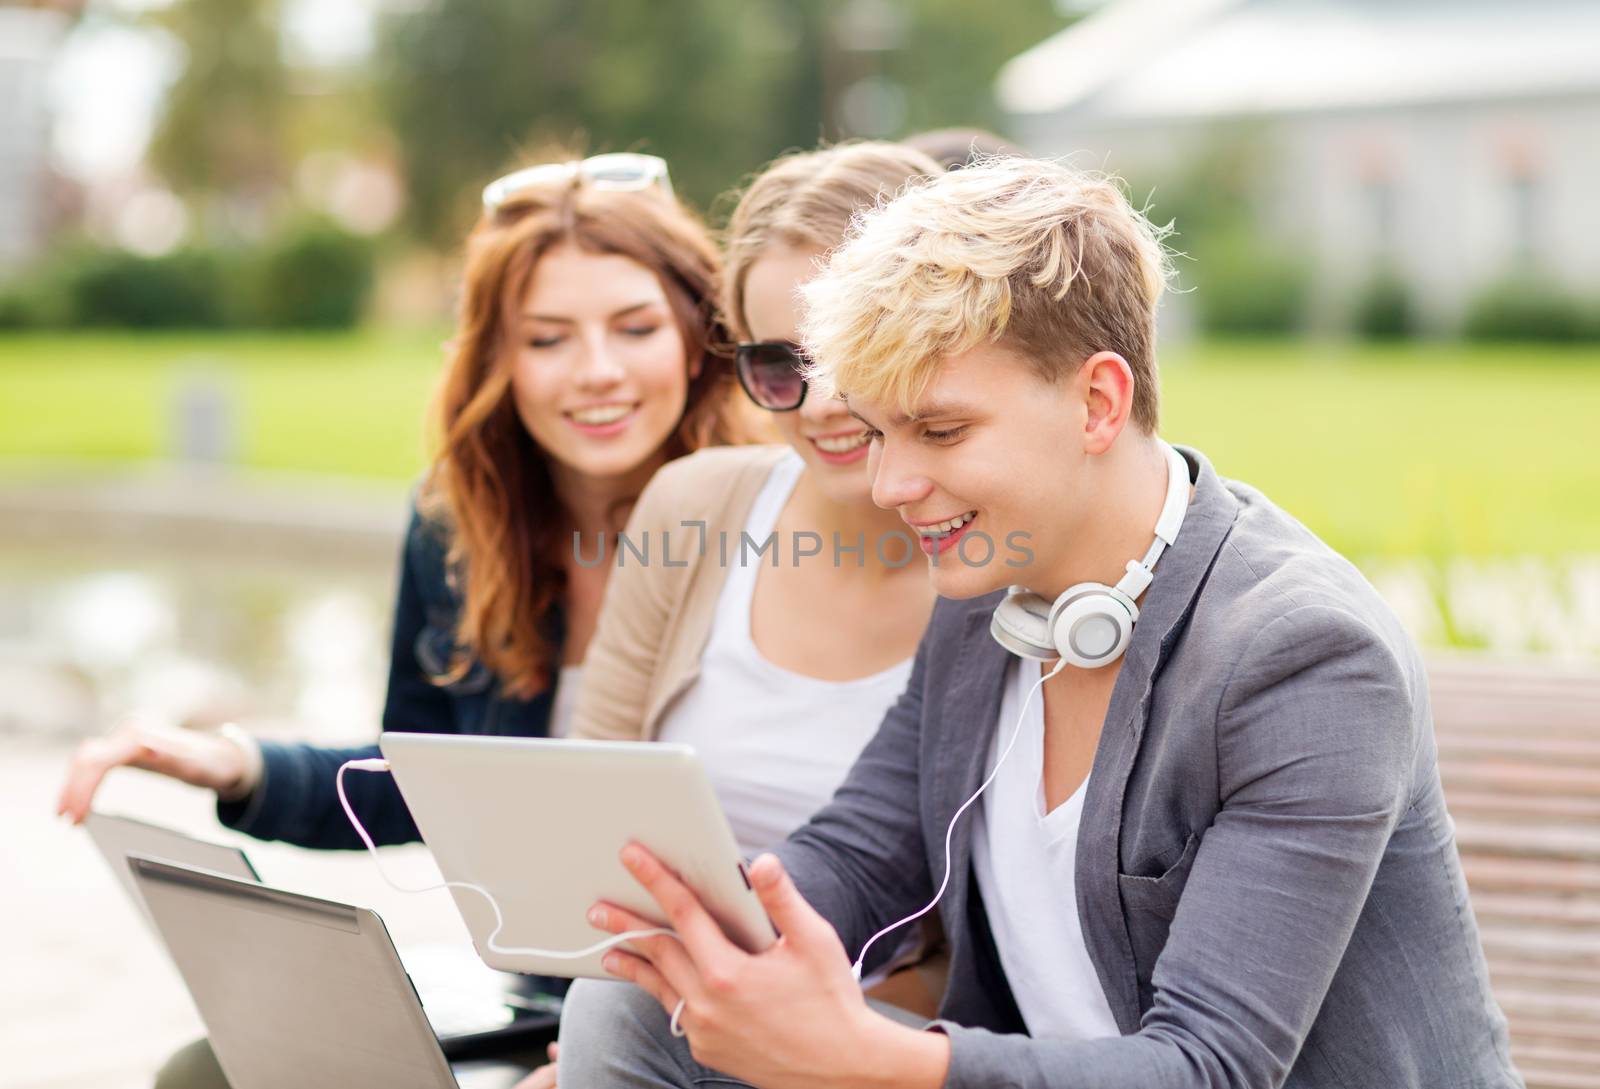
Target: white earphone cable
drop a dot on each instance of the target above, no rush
(949, 831)
(617, 939)
(378, 764)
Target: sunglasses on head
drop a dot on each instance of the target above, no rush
(769, 371)
(623, 170)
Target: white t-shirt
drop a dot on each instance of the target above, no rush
(1025, 862)
(565, 702)
(775, 744)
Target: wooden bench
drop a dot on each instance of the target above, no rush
(1519, 753)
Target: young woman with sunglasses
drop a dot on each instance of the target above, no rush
(775, 664)
(585, 357)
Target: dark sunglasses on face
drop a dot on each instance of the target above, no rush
(769, 371)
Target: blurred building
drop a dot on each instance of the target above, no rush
(1454, 141)
(29, 38)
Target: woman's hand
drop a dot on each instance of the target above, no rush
(792, 1015)
(199, 759)
(545, 1076)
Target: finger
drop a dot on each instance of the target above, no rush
(620, 920)
(707, 945)
(77, 793)
(88, 768)
(666, 953)
(795, 919)
(642, 973)
(553, 1052)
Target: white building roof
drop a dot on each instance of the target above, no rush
(1190, 59)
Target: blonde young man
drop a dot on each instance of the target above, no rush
(1216, 854)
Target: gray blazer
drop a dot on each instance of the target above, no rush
(1267, 878)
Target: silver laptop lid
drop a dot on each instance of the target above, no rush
(293, 990)
(119, 837)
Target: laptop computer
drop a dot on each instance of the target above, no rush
(295, 990)
(471, 1008)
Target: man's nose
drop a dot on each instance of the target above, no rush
(896, 480)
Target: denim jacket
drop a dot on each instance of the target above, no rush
(295, 800)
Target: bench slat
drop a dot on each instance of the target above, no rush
(1579, 811)
(1519, 757)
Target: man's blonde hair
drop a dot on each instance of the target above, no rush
(1035, 256)
(809, 199)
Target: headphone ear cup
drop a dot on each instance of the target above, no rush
(1091, 626)
(1021, 624)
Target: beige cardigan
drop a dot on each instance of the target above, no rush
(655, 619)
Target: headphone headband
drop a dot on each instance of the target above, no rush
(1173, 508)
(1091, 624)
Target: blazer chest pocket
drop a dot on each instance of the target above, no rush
(1148, 905)
(1158, 895)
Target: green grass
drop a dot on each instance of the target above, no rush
(348, 403)
(1404, 451)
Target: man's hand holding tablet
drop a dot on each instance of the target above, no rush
(790, 1015)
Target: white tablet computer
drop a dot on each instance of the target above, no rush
(540, 824)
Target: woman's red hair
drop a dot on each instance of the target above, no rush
(490, 482)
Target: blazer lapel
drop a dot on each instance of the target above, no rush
(1179, 575)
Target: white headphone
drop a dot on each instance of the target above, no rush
(1091, 623)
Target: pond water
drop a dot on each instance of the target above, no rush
(86, 636)
(301, 647)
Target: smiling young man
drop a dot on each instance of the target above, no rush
(1211, 848)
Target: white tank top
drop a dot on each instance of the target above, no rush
(565, 702)
(775, 743)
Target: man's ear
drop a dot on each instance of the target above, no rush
(1107, 384)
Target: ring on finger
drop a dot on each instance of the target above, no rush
(677, 1012)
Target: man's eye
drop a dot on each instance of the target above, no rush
(946, 436)
(874, 435)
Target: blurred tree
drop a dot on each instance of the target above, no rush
(472, 86)
(313, 275)
(1219, 194)
(952, 51)
(1216, 187)
(718, 87)
(222, 130)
